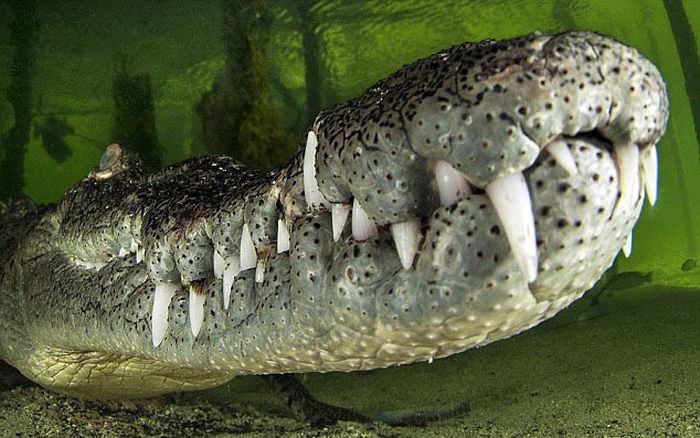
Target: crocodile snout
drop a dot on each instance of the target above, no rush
(474, 119)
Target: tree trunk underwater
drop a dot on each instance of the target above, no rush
(14, 142)
(688, 54)
(134, 117)
(238, 117)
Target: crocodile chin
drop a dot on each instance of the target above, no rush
(463, 199)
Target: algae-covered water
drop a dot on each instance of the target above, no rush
(77, 76)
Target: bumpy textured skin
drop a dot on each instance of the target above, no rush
(486, 108)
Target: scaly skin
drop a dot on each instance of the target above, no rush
(78, 302)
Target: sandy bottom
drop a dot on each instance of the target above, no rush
(627, 366)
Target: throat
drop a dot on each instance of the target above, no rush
(100, 375)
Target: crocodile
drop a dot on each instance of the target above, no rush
(461, 200)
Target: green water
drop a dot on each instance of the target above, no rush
(81, 46)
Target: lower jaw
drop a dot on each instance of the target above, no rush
(99, 375)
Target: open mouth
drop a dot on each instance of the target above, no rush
(464, 198)
(508, 194)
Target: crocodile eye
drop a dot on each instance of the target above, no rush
(110, 157)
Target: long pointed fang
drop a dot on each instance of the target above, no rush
(511, 200)
(627, 159)
(451, 184)
(159, 316)
(314, 197)
(282, 236)
(363, 227)
(406, 237)
(339, 216)
(627, 247)
(650, 172)
(219, 265)
(196, 311)
(562, 155)
(249, 258)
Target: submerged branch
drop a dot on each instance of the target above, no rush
(688, 53)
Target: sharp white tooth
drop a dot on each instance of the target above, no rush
(363, 227)
(260, 272)
(248, 256)
(133, 246)
(196, 311)
(511, 200)
(159, 317)
(123, 252)
(650, 171)
(282, 236)
(451, 184)
(627, 158)
(406, 236)
(233, 267)
(339, 215)
(627, 247)
(219, 265)
(314, 197)
(562, 155)
(140, 254)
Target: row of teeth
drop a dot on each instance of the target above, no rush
(509, 196)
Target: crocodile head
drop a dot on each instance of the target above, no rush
(463, 199)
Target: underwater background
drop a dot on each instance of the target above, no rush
(175, 79)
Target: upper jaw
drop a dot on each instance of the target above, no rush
(487, 109)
